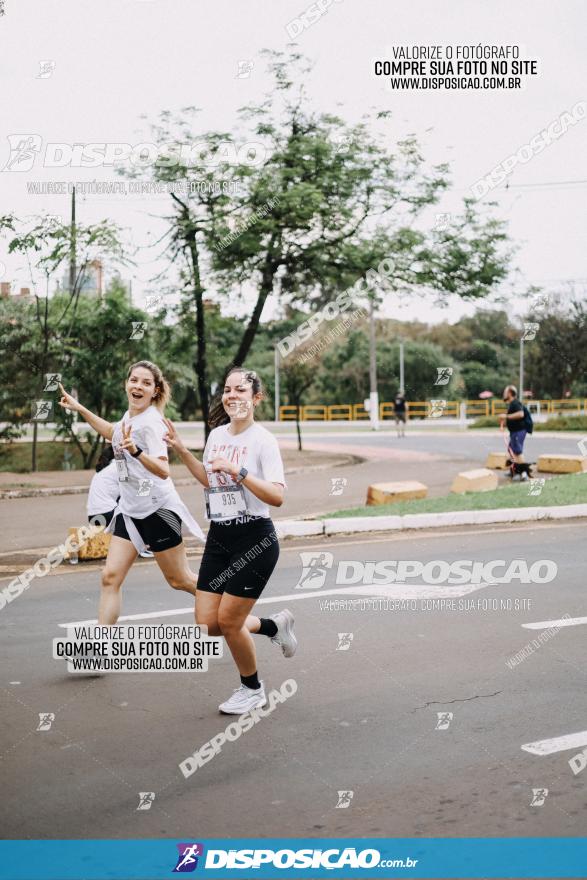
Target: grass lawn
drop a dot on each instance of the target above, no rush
(563, 423)
(16, 457)
(567, 489)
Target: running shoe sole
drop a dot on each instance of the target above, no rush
(258, 705)
(288, 628)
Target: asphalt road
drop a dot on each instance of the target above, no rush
(455, 444)
(363, 720)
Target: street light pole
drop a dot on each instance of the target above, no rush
(521, 389)
(373, 395)
(402, 389)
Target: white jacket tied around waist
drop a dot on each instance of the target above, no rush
(143, 492)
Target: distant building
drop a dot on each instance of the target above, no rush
(91, 281)
(24, 294)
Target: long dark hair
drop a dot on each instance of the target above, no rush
(218, 415)
(105, 458)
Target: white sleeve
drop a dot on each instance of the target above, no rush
(271, 463)
(154, 443)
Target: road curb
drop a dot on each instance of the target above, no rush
(357, 524)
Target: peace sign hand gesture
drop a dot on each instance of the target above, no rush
(69, 402)
(172, 438)
(127, 442)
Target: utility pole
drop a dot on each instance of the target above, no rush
(373, 395)
(402, 388)
(521, 388)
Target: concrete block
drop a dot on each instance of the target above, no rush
(477, 480)
(496, 460)
(562, 464)
(388, 493)
(95, 547)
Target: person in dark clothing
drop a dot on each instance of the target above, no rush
(399, 410)
(516, 420)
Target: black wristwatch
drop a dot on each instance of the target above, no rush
(241, 475)
(138, 452)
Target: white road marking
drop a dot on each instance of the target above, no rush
(557, 744)
(392, 591)
(547, 624)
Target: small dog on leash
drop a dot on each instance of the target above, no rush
(519, 468)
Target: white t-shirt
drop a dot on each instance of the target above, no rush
(256, 449)
(104, 491)
(143, 493)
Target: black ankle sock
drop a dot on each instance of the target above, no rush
(268, 627)
(251, 681)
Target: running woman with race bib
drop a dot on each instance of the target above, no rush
(242, 475)
(149, 513)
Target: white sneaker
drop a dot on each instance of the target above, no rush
(243, 700)
(284, 637)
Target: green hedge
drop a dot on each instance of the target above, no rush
(555, 423)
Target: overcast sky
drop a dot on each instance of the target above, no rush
(117, 59)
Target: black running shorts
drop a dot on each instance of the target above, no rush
(101, 519)
(160, 530)
(239, 558)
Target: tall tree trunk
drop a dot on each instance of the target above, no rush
(200, 363)
(269, 269)
(89, 457)
(34, 459)
(43, 367)
(298, 428)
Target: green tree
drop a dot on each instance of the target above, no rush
(298, 376)
(328, 202)
(18, 373)
(479, 377)
(556, 359)
(345, 373)
(47, 245)
(98, 353)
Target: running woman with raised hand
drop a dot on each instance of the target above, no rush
(149, 513)
(242, 475)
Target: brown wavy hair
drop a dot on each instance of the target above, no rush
(162, 388)
(218, 415)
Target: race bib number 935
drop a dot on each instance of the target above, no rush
(225, 502)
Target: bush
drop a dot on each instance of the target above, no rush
(555, 423)
(485, 422)
(563, 423)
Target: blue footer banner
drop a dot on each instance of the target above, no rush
(374, 857)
